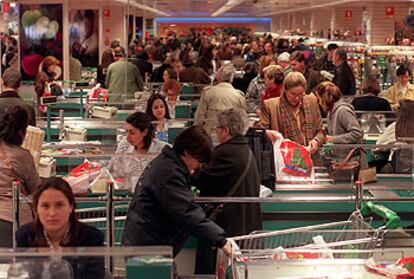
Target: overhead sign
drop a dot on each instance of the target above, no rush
(106, 13)
(389, 11)
(5, 7)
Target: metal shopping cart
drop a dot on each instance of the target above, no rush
(96, 216)
(319, 241)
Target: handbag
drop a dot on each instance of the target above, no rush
(346, 169)
(55, 90)
(212, 211)
(368, 175)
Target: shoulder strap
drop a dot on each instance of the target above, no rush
(341, 164)
(242, 176)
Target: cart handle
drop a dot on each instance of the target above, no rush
(391, 219)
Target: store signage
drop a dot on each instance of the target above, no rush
(348, 13)
(382, 61)
(5, 7)
(389, 11)
(106, 13)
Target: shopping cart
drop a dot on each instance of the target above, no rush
(96, 215)
(319, 242)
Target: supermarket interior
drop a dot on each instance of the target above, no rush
(220, 139)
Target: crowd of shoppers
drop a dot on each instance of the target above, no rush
(285, 86)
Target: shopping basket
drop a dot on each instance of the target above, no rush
(356, 234)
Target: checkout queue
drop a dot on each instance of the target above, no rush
(289, 102)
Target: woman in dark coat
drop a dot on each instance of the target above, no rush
(163, 211)
(46, 76)
(208, 61)
(231, 159)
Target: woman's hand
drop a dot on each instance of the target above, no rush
(227, 249)
(272, 135)
(259, 113)
(313, 146)
(329, 139)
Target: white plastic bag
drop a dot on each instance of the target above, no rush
(296, 172)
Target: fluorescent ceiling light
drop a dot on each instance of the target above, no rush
(310, 7)
(144, 7)
(209, 19)
(228, 6)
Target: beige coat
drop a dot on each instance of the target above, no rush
(394, 94)
(215, 99)
(24, 168)
(271, 117)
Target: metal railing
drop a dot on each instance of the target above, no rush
(112, 216)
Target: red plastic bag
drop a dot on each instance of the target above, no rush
(43, 108)
(401, 269)
(293, 162)
(84, 168)
(297, 159)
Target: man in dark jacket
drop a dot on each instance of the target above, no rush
(230, 172)
(344, 77)
(141, 61)
(325, 63)
(298, 64)
(157, 74)
(192, 73)
(9, 96)
(163, 211)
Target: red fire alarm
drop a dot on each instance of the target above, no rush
(107, 42)
(106, 13)
(348, 13)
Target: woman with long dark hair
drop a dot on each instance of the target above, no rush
(56, 225)
(140, 141)
(16, 163)
(157, 109)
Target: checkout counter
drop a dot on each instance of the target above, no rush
(88, 262)
(293, 204)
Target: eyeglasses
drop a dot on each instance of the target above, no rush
(294, 96)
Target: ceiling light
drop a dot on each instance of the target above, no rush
(144, 7)
(303, 7)
(228, 6)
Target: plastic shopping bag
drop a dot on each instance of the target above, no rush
(97, 93)
(80, 177)
(293, 161)
(401, 269)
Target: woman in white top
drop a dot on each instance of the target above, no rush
(157, 109)
(140, 140)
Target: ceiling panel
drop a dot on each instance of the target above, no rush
(239, 8)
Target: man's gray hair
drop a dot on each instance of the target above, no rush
(226, 73)
(235, 120)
